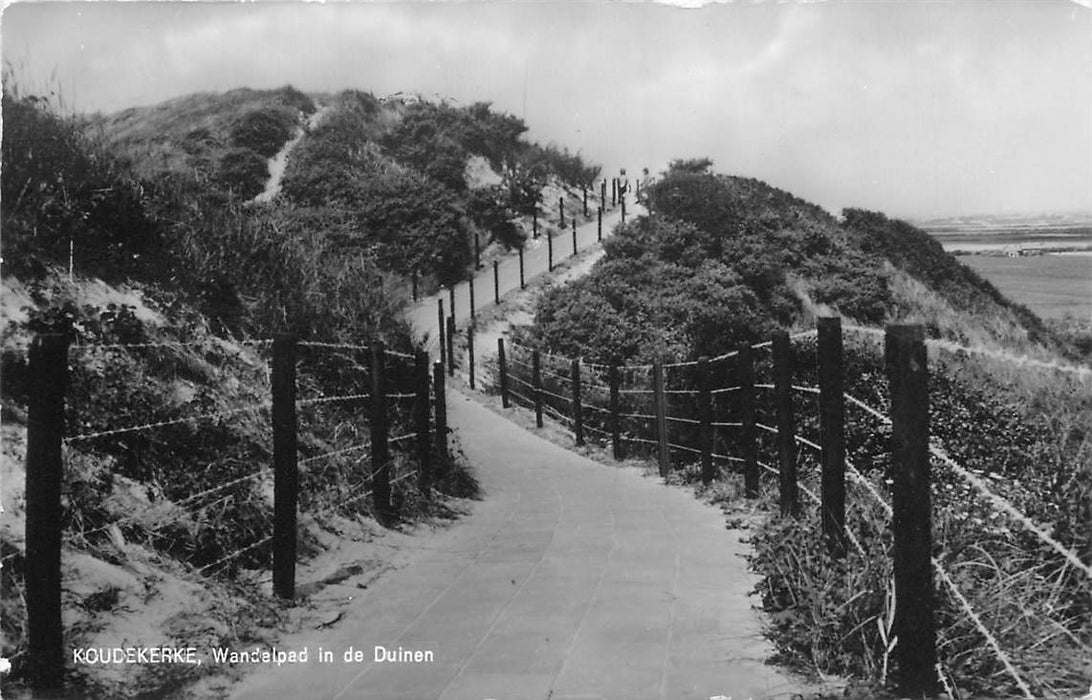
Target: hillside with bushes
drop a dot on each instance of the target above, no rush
(721, 260)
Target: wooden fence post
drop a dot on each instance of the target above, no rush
(522, 282)
(421, 411)
(599, 229)
(477, 253)
(705, 417)
(664, 454)
(915, 622)
(536, 379)
(473, 306)
(451, 345)
(561, 211)
(786, 427)
(285, 470)
(534, 223)
(440, 408)
(496, 282)
(549, 251)
(602, 194)
(574, 237)
(622, 199)
(585, 202)
(502, 368)
(451, 298)
(832, 433)
(48, 374)
(613, 192)
(748, 432)
(381, 468)
(470, 350)
(615, 411)
(578, 408)
(443, 335)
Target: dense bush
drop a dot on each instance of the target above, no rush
(63, 192)
(243, 172)
(923, 257)
(264, 131)
(570, 168)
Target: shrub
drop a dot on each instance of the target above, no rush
(243, 172)
(62, 192)
(264, 131)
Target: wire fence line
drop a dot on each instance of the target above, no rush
(402, 396)
(1009, 358)
(666, 430)
(214, 416)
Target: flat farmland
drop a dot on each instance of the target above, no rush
(1050, 285)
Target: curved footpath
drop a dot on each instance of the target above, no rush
(570, 580)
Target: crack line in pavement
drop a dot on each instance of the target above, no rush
(522, 585)
(591, 602)
(671, 613)
(436, 599)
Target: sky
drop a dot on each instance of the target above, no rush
(917, 108)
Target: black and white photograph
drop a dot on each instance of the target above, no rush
(543, 350)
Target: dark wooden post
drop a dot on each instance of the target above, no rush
(522, 283)
(614, 192)
(599, 229)
(440, 408)
(585, 202)
(443, 335)
(473, 307)
(603, 194)
(561, 211)
(832, 432)
(285, 470)
(477, 252)
(748, 433)
(502, 368)
(413, 283)
(786, 428)
(470, 350)
(578, 408)
(48, 374)
(496, 282)
(381, 467)
(705, 417)
(549, 251)
(915, 623)
(622, 200)
(451, 345)
(574, 237)
(536, 379)
(421, 411)
(664, 454)
(451, 298)
(534, 223)
(615, 412)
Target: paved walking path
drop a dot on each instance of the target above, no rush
(570, 580)
(423, 315)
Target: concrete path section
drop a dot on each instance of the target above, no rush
(570, 580)
(423, 315)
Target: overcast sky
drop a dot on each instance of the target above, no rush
(914, 108)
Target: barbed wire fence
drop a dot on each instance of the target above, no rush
(723, 413)
(349, 455)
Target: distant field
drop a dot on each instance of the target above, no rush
(1049, 285)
